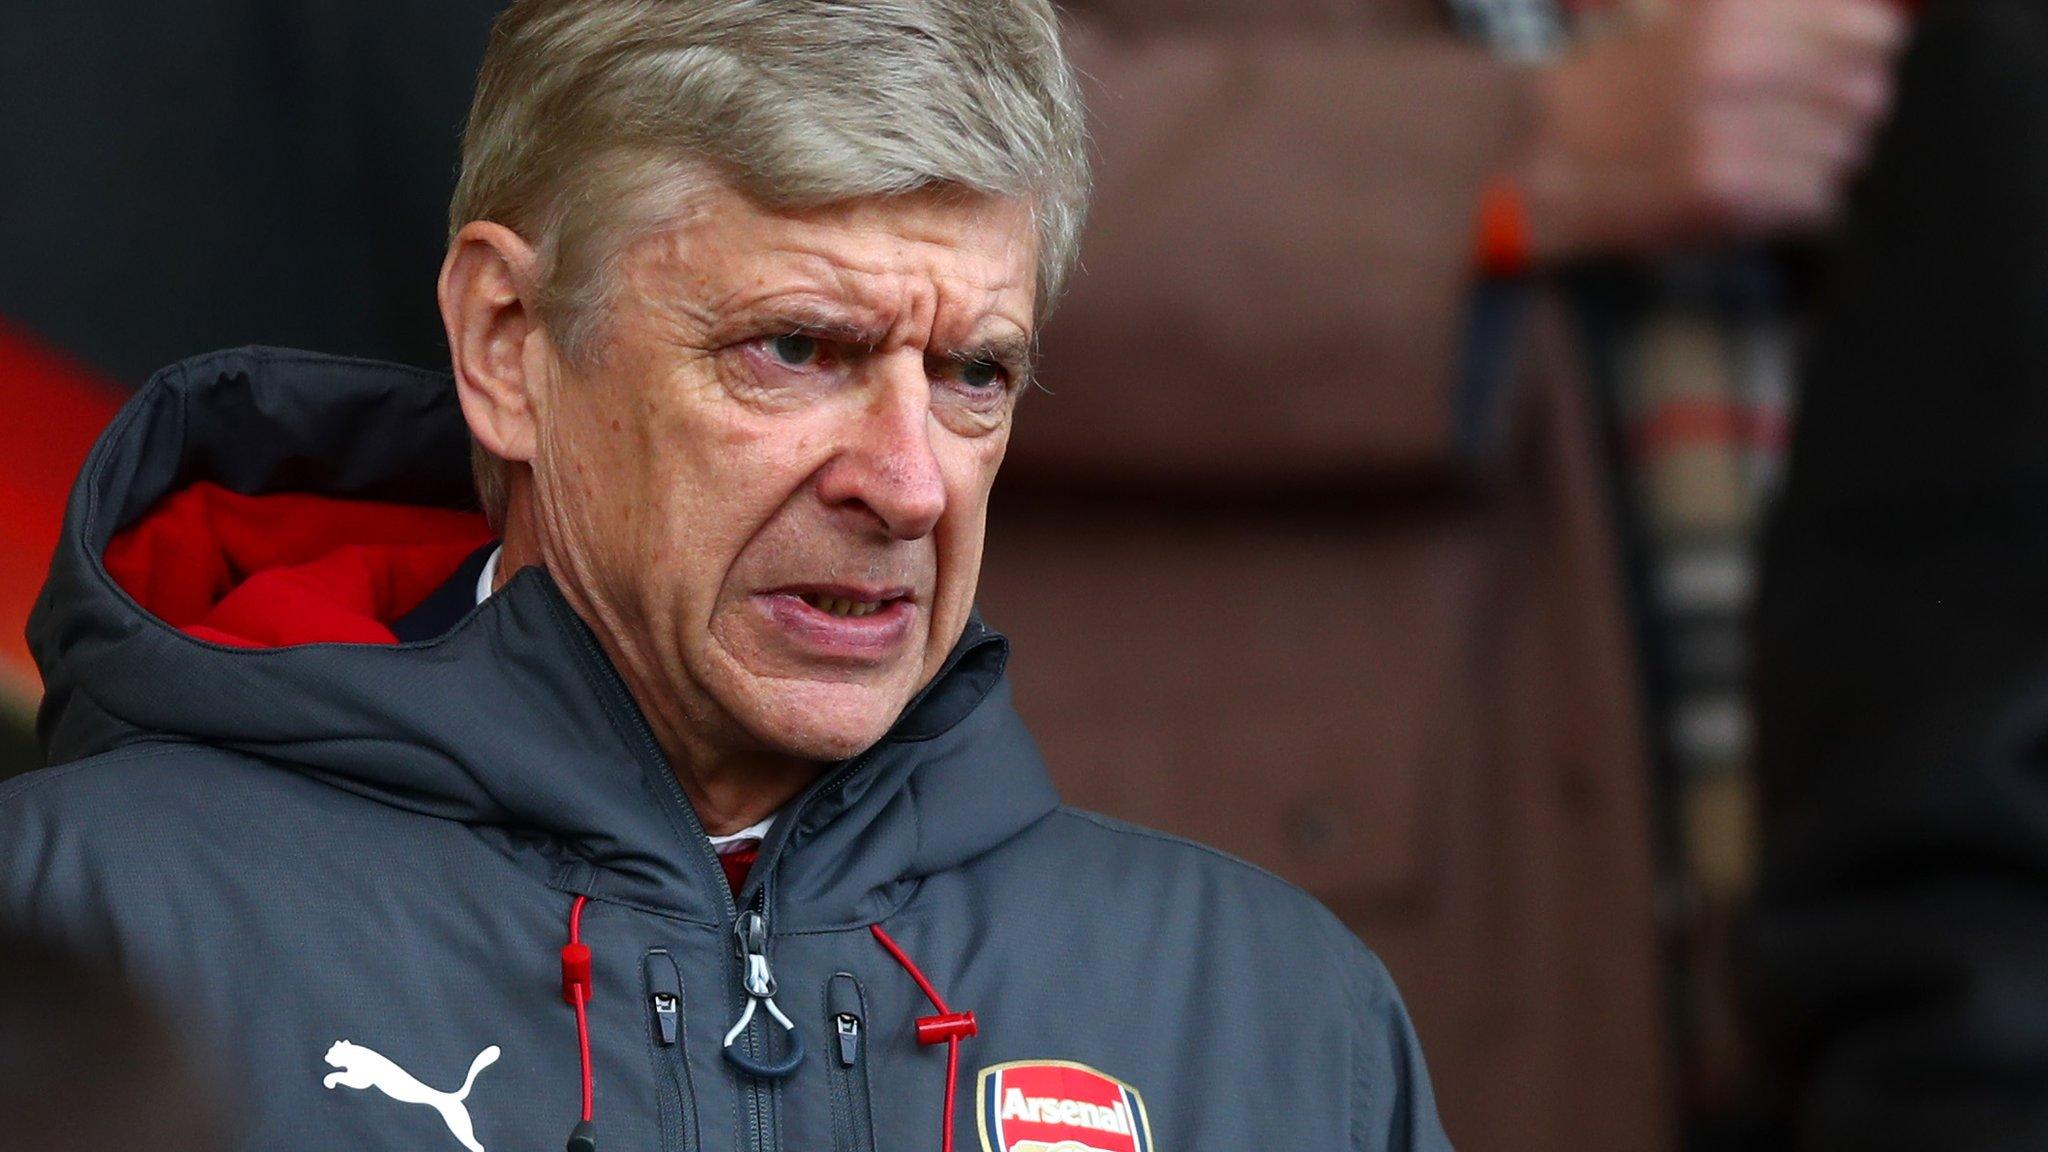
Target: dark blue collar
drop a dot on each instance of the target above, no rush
(445, 607)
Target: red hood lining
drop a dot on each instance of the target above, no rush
(289, 568)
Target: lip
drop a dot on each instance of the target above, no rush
(862, 593)
(855, 639)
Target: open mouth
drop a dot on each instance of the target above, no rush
(839, 621)
(838, 606)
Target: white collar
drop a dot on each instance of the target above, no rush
(755, 832)
(487, 583)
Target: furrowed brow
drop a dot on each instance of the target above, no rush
(1012, 352)
(800, 319)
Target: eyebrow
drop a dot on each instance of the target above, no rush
(800, 319)
(806, 319)
(1013, 352)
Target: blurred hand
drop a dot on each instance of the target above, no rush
(1728, 119)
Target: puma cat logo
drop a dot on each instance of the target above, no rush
(363, 1068)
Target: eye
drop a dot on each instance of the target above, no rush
(976, 375)
(795, 350)
(982, 374)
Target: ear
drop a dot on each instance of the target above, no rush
(486, 294)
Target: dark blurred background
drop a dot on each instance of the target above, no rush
(1414, 506)
(87, 1065)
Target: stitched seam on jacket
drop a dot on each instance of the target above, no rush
(1109, 824)
(23, 785)
(1360, 1008)
(626, 741)
(1356, 967)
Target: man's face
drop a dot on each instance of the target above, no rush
(774, 475)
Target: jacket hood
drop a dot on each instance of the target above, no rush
(514, 721)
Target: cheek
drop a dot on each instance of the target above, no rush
(973, 476)
(576, 480)
(692, 508)
(969, 478)
(960, 538)
(730, 494)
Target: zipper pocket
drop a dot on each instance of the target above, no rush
(664, 1008)
(846, 1023)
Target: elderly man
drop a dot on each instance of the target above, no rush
(690, 811)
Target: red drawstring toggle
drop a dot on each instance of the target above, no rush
(948, 1028)
(576, 990)
(945, 1026)
(575, 972)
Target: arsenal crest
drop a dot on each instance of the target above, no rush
(1059, 1106)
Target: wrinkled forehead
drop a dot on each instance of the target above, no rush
(935, 265)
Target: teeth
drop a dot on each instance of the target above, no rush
(839, 606)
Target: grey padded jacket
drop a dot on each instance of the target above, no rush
(354, 866)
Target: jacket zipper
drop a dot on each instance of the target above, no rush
(846, 1015)
(757, 1093)
(754, 1091)
(758, 1036)
(665, 1031)
(750, 940)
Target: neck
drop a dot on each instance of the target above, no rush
(731, 788)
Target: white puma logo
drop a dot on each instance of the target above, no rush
(363, 1068)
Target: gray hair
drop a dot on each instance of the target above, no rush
(594, 118)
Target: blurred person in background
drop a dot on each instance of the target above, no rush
(87, 1065)
(1338, 440)
(1338, 455)
(1898, 953)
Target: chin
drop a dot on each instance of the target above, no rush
(826, 721)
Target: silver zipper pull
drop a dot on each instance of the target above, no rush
(665, 1017)
(750, 934)
(665, 996)
(849, 1039)
(844, 1008)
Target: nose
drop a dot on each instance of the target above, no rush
(888, 467)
